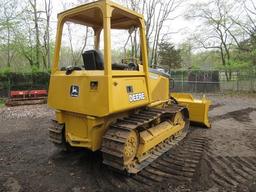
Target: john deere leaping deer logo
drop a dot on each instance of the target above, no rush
(74, 91)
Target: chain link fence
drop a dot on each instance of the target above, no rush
(23, 81)
(214, 81)
(193, 81)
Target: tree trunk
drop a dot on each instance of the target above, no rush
(48, 43)
(47, 32)
(8, 46)
(37, 33)
(37, 38)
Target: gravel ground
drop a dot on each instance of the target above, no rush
(29, 162)
(22, 112)
(234, 126)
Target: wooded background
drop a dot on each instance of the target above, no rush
(224, 39)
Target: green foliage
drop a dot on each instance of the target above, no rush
(211, 60)
(117, 56)
(4, 72)
(23, 53)
(195, 67)
(186, 54)
(26, 49)
(205, 60)
(1, 103)
(19, 81)
(169, 56)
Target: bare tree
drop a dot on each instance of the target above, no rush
(27, 38)
(77, 51)
(215, 33)
(166, 9)
(7, 25)
(247, 24)
(47, 51)
(35, 45)
(33, 4)
(250, 26)
(76, 54)
(24, 39)
(156, 13)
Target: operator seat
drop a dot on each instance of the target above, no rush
(93, 60)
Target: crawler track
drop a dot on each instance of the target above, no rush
(114, 141)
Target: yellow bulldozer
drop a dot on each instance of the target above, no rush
(123, 109)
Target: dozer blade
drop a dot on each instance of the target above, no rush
(198, 109)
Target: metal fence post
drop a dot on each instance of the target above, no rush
(237, 81)
(251, 81)
(182, 82)
(254, 79)
(9, 86)
(196, 83)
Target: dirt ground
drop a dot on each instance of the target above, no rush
(222, 158)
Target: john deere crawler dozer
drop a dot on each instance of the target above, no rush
(123, 109)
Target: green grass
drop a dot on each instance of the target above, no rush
(1, 103)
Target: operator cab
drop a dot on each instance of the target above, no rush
(82, 45)
(100, 62)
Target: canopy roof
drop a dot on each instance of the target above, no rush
(91, 15)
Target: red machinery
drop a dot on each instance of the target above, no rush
(27, 97)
